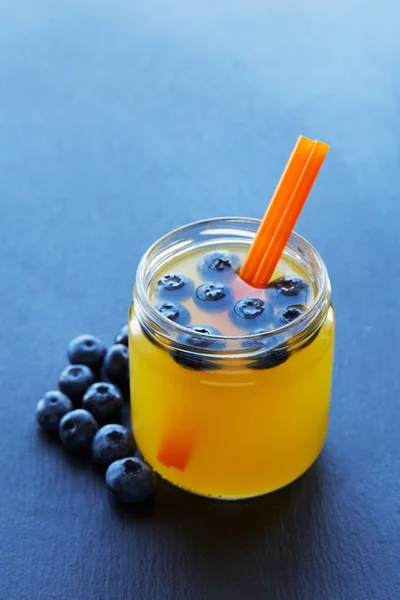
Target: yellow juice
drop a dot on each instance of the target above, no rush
(239, 425)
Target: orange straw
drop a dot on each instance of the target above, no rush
(291, 212)
(276, 207)
(180, 436)
(175, 449)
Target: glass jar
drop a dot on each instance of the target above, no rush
(240, 418)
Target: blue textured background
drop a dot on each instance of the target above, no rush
(118, 121)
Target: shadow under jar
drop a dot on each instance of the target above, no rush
(239, 415)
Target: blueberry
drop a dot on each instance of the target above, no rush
(219, 265)
(174, 312)
(247, 343)
(251, 311)
(75, 380)
(171, 285)
(288, 287)
(268, 352)
(200, 341)
(123, 336)
(130, 480)
(270, 359)
(290, 314)
(77, 429)
(196, 361)
(111, 443)
(103, 400)
(213, 296)
(51, 408)
(87, 350)
(116, 365)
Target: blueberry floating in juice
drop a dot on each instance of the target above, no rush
(213, 296)
(268, 351)
(174, 287)
(288, 290)
(174, 312)
(191, 341)
(221, 265)
(250, 312)
(289, 314)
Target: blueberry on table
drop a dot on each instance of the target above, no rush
(75, 380)
(111, 443)
(289, 314)
(213, 296)
(219, 265)
(197, 342)
(131, 480)
(103, 400)
(174, 287)
(251, 311)
(51, 408)
(77, 429)
(116, 365)
(174, 312)
(123, 336)
(87, 350)
(268, 352)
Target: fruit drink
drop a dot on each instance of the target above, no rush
(230, 383)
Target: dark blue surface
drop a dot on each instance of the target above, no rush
(118, 121)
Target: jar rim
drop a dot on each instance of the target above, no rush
(295, 240)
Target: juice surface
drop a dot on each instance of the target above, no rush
(188, 266)
(242, 429)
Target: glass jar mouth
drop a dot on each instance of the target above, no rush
(246, 228)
